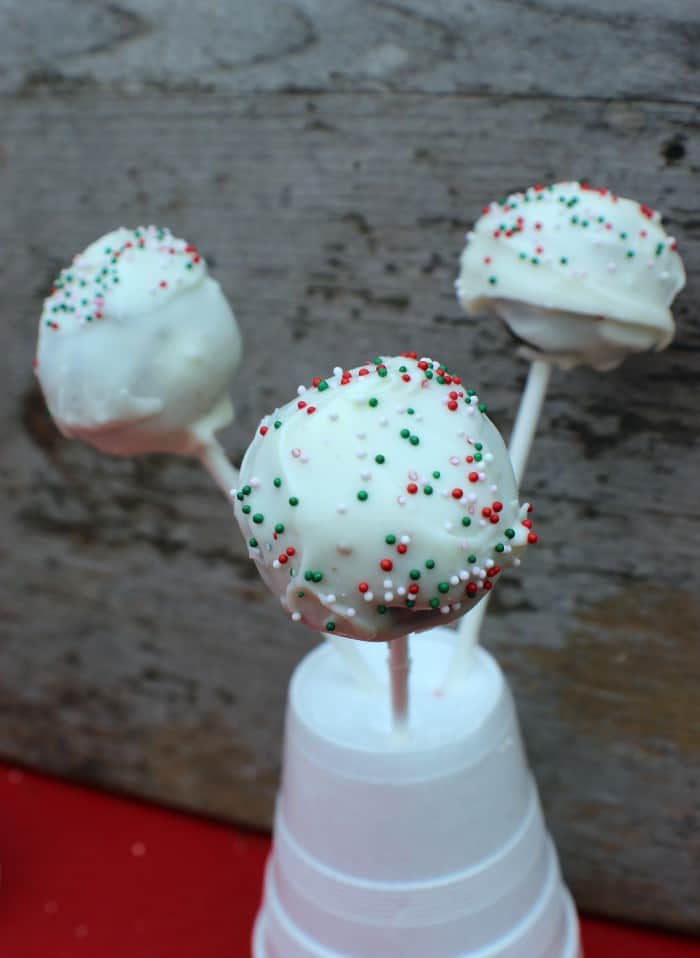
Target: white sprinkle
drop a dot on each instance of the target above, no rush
(301, 390)
(493, 488)
(482, 574)
(404, 540)
(342, 508)
(304, 457)
(383, 421)
(366, 474)
(361, 453)
(413, 476)
(296, 453)
(482, 476)
(471, 498)
(350, 612)
(489, 563)
(457, 606)
(445, 609)
(445, 493)
(254, 483)
(488, 457)
(388, 596)
(401, 590)
(471, 410)
(463, 575)
(454, 580)
(483, 523)
(344, 548)
(611, 268)
(276, 564)
(449, 526)
(401, 500)
(388, 584)
(296, 616)
(337, 370)
(516, 561)
(369, 596)
(454, 460)
(330, 598)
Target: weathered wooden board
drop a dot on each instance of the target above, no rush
(328, 158)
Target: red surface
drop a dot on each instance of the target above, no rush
(89, 875)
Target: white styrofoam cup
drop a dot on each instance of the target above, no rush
(427, 844)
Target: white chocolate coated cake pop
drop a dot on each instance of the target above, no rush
(382, 501)
(138, 346)
(580, 275)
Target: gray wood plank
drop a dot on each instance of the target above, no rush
(139, 650)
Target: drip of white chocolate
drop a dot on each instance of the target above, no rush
(380, 502)
(138, 346)
(581, 276)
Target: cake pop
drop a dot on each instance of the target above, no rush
(137, 348)
(381, 501)
(580, 275)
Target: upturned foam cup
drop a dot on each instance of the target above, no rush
(430, 843)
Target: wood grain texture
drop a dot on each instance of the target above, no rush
(328, 157)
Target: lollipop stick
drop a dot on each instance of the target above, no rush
(216, 462)
(519, 449)
(399, 671)
(528, 416)
(356, 663)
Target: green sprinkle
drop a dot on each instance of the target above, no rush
(466, 521)
(410, 411)
(390, 539)
(510, 533)
(279, 528)
(405, 433)
(373, 402)
(428, 490)
(478, 457)
(434, 603)
(436, 474)
(253, 542)
(630, 253)
(499, 547)
(246, 510)
(330, 626)
(482, 407)
(428, 374)
(277, 482)
(443, 587)
(363, 495)
(322, 386)
(414, 440)
(381, 609)
(316, 576)
(382, 371)
(277, 423)
(623, 235)
(659, 249)
(258, 518)
(563, 260)
(471, 558)
(522, 255)
(293, 501)
(380, 459)
(414, 573)
(403, 369)
(246, 490)
(308, 575)
(430, 563)
(300, 595)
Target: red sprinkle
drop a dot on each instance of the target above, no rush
(488, 586)
(301, 404)
(453, 405)
(471, 588)
(363, 372)
(263, 430)
(494, 570)
(493, 519)
(291, 551)
(457, 493)
(486, 512)
(532, 538)
(311, 410)
(414, 588)
(473, 477)
(282, 558)
(387, 565)
(401, 548)
(496, 506)
(412, 488)
(363, 587)
(527, 523)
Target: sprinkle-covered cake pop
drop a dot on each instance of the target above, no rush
(581, 276)
(381, 501)
(138, 346)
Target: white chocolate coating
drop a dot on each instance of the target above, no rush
(580, 275)
(138, 346)
(381, 501)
